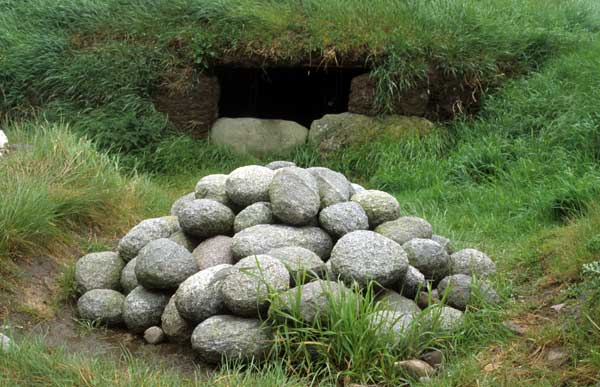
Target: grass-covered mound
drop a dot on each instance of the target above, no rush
(97, 63)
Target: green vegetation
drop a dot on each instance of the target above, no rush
(520, 180)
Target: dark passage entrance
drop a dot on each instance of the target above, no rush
(296, 94)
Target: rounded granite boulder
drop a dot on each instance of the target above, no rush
(309, 301)
(199, 297)
(214, 251)
(446, 243)
(128, 279)
(257, 213)
(175, 327)
(143, 308)
(333, 186)
(396, 302)
(164, 264)
(246, 288)
(204, 218)
(275, 165)
(299, 261)
(405, 228)
(184, 240)
(364, 256)
(459, 290)
(232, 337)
(262, 238)
(144, 232)
(213, 187)
(181, 202)
(471, 262)
(442, 317)
(428, 257)
(380, 206)
(412, 283)
(98, 271)
(101, 305)
(341, 218)
(294, 196)
(249, 184)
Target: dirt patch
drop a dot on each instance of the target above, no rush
(189, 99)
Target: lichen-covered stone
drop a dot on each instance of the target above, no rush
(245, 289)
(163, 264)
(214, 251)
(181, 202)
(98, 271)
(300, 262)
(405, 228)
(128, 279)
(213, 187)
(458, 291)
(184, 240)
(380, 206)
(396, 302)
(232, 337)
(444, 242)
(333, 186)
(262, 238)
(443, 317)
(101, 305)
(146, 231)
(309, 301)
(412, 283)
(257, 213)
(175, 327)
(294, 196)
(342, 218)
(428, 257)
(471, 262)
(143, 308)
(275, 165)
(204, 218)
(249, 184)
(364, 256)
(199, 297)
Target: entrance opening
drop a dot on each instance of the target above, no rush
(297, 94)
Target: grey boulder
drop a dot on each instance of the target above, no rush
(246, 288)
(262, 238)
(213, 187)
(102, 305)
(181, 202)
(143, 308)
(356, 188)
(98, 271)
(231, 337)
(333, 186)
(214, 251)
(341, 218)
(128, 279)
(144, 232)
(442, 317)
(391, 321)
(257, 213)
(364, 256)
(380, 206)
(444, 242)
(301, 263)
(405, 228)
(310, 301)
(458, 289)
(257, 136)
(391, 300)
(294, 196)
(249, 184)
(204, 218)
(184, 240)
(163, 264)
(175, 327)
(199, 297)
(154, 335)
(275, 165)
(428, 257)
(412, 283)
(471, 262)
